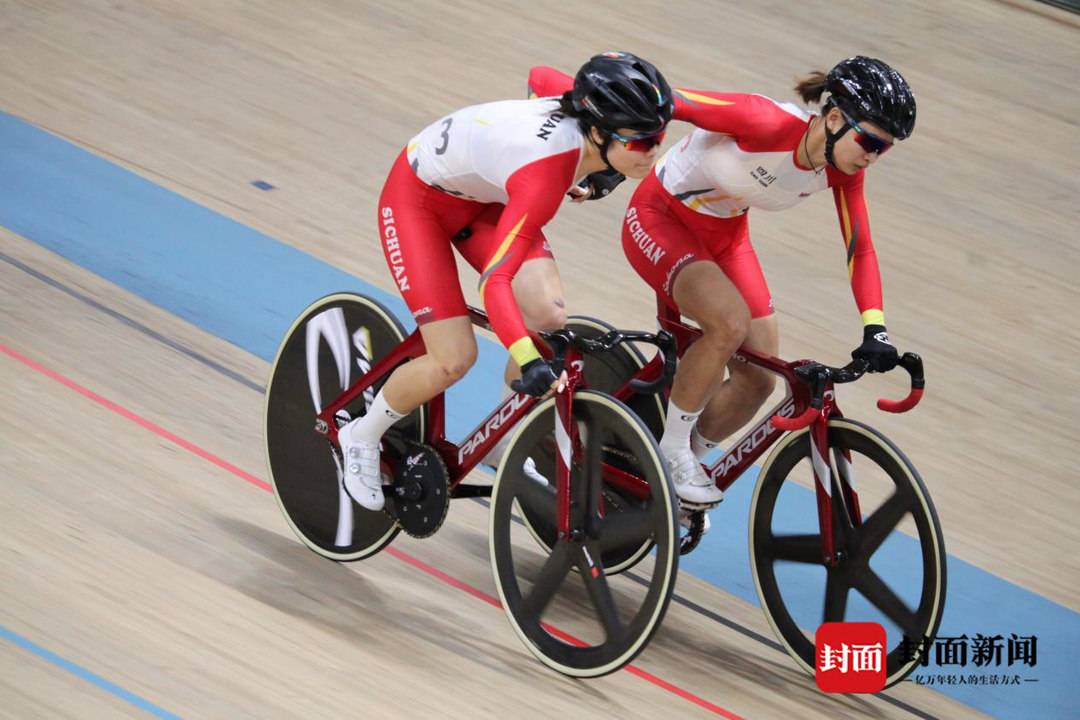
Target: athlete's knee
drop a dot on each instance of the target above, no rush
(549, 314)
(757, 384)
(538, 292)
(725, 328)
(454, 362)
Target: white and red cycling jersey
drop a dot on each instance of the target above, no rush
(741, 155)
(476, 152)
(499, 169)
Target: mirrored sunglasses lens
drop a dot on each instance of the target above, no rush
(871, 144)
(645, 143)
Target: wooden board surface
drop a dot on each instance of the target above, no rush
(974, 218)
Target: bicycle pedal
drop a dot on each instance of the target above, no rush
(691, 507)
(696, 524)
(688, 519)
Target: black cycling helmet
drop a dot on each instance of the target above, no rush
(619, 90)
(868, 89)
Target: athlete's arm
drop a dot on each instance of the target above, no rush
(548, 82)
(706, 109)
(535, 193)
(861, 259)
(752, 119)
(738, 114)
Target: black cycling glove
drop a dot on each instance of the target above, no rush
(600, 183)
(536, 378)
(876, 350)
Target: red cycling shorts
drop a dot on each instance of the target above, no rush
(418, 227)
(661, 236)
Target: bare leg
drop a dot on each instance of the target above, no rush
(705, 295)
(740, 397)
(451, 351)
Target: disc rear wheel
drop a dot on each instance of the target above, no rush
(333, 343)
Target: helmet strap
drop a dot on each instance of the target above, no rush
(604, 148)
(832, 137)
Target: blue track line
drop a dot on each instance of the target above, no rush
(84, 674)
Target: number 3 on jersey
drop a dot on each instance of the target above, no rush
(445, 135)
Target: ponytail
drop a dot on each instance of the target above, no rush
(584, 119)
(566, 104)
(811, 87)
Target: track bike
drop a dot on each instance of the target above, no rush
(837, 507)
(561, 599)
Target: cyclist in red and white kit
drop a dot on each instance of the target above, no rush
(485, 180)
(686, 233)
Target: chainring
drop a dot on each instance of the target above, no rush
(420, 496)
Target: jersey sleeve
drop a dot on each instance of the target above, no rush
(535, 192)
(861, 259)
(746, 116)
(751, 119)
(548, 82)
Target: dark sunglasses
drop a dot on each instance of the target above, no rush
(867, 140)
(640, 143)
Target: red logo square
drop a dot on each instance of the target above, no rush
(850, 657)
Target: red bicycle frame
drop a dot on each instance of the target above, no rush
(795, 411)
(461, 459)
(805, 405)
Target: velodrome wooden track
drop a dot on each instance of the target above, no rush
(179, 581)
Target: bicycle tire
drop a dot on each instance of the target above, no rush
(625, 613)
(343, 333)
(849, 439)
(606, 372)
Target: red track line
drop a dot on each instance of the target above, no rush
(119, 410)
(440, 575)
(400, 555)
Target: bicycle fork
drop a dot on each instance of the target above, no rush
(829, 478)
(569, 449)
(566, 439)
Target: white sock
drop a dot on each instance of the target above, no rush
(378, 419)
(700, 444)
(677, 428)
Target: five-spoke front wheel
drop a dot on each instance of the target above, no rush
(560, 600)
(890, 565)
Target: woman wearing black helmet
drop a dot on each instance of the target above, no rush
(485, 180)
(687, 235)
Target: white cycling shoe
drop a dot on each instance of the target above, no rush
(695, 489)
(361, 476)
